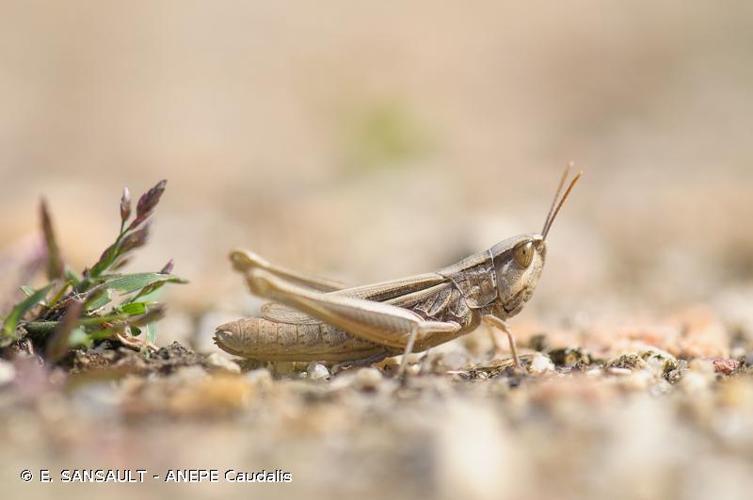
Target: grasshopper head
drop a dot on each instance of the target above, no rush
(518, 261)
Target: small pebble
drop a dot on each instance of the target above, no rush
(539, 342)
(261, 377)
(453, 361)
(541, 364)
(7, 372)
(628, 361)
(594, 372)
(317, 371)
(189, 374)
(217, 361)
(726, 366)
(413, 369)
(656, 364)
(613, 370)
(674, 376)
(749, 359)
(737, 352)
(636, 381)
(570, 357)
(694, 381)
(368, 378)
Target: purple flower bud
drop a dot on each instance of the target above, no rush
(135, 239)
(147, 202)
(125, 205)
(168, 267)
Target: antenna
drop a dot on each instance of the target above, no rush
(558, 202)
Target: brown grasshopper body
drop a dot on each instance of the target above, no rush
(312, 319)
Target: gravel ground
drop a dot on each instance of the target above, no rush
(638, 421)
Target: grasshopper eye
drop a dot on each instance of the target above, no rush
(523, 254)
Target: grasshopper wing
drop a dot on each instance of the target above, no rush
(388, 291)
(284, 314)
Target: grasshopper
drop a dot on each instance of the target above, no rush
(313, 319)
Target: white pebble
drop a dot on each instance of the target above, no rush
(619, 371)
(656, 364)
(594, 372)
(190, 373)
(261, 377)
(217, 361)
(638, 380)
(7, 372)
(413, 370)
(368, 378)
(694, 381)
(541, 364)
(317, 371)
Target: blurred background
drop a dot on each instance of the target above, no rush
(372, 140)
(369, 140)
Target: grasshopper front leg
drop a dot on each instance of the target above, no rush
(376, 322)
(498, 324)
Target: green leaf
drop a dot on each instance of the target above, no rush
(72, 276)
(40, 327)
(101, 320)
(78, 338)
(132, 282)
(59, 295)
(151, 332)
(27, 290)
(100, 334)
(18, 312)
(99, 298)
(133, 309)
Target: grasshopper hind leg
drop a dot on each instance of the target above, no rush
(392, 327)
(245, 261)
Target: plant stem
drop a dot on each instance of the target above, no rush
(45, 327)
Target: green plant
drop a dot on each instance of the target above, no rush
(73, 310)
